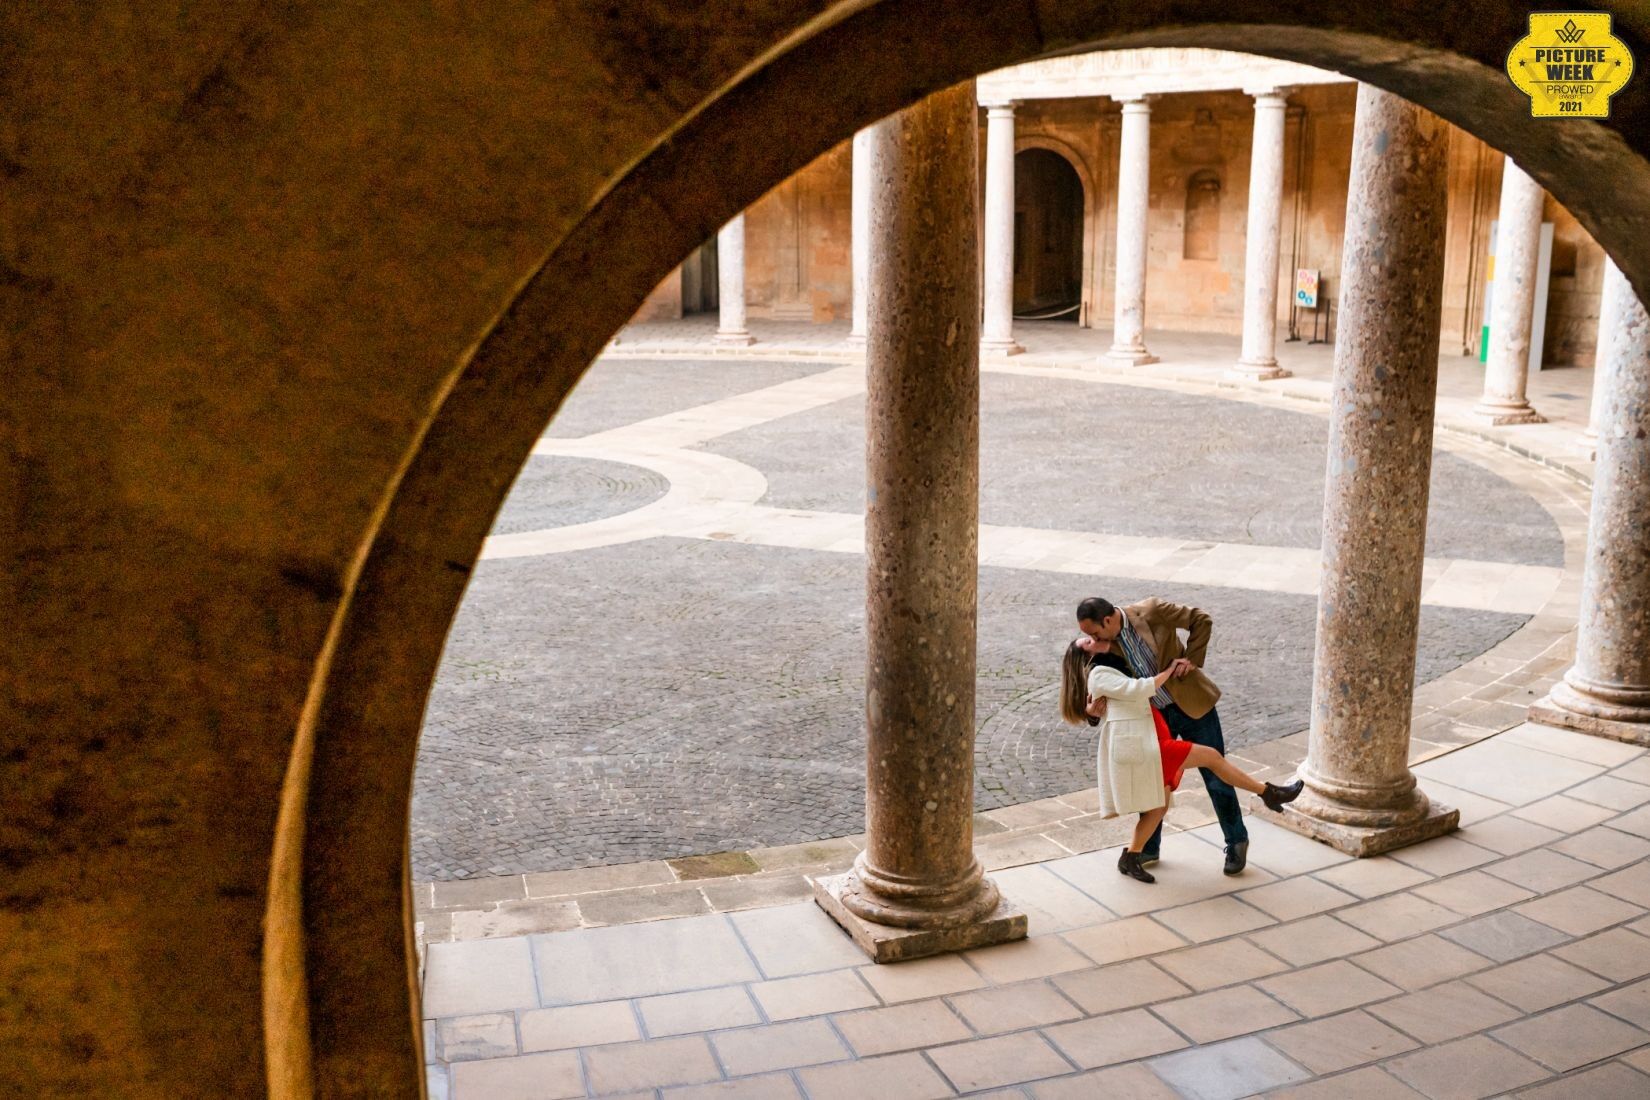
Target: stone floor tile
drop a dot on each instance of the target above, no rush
(1566, 814)
(1630, 1002)
(1328, 987)
(549, 1076)
(579, 1026)
(591, 880)
(1507, 834)
(1011, 1007)
(1613, 792)
(770, 1086)
(632, 906)
(438, 1083)
(787, 940)
(1420, 962)
(778, 1046)
(1579, 910)
(713, 865)
(1369, 1083)
(813, 995)
(1570, 1037)
(1188, 872)
(428, 1042)
(1574, 745)
(1370, 878)
(1313, 940)
(1036, 957)
(1542, 871)
(1637, 822)
(1538, 982)
(1004, 1060)
(735, 894)
(1107, 1040)
(466, 1038)
(902, 1027)
(829, 854)
(1224, 963)
(1466, 1069)
(1133, 1082)
(656, 1063)
(1050, 902)
(1639, 1059)
(908, 981)
(1224, 1014)
(1444, 1012)
(697, 1010)
(1507, 772)
(902, 1075)
(638, 960)
(1444, 855)
(1276, 849)
(1473, 893)
(1291, 898)
(518, 918)
(1630, 884)
(1472, 807)
(1620, 955)
(1504, 936)
(1226, 1071)
(1340, 1042)
(484, 891)
(1397, 916)
(1611, 1080)
(464, 979)
(1214, 919)
(1128, 938)
(1125, 985)
(998, 853)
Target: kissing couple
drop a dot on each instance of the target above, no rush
(1129, 673)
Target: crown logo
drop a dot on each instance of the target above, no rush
(1569, 32)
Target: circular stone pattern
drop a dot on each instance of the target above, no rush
(554, 491)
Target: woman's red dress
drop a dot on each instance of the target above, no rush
(1174, 752)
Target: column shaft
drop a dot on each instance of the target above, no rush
(1615, 299)
(730, 285)
(1607, 691)
(1128, 341)
(1512, 304)
(860, 232)
(1261, 240)
(1360, 795)
(998, 335)
(917, 889)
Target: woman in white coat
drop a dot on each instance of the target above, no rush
(1139, 763)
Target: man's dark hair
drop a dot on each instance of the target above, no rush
(1094, 609)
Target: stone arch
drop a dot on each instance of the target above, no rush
(1201, 227)
(1091, 230)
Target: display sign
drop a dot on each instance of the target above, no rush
(1306, 288)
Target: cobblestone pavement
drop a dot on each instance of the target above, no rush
(671, 696)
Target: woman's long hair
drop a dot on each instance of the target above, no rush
(1074, 681)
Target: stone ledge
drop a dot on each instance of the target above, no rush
(883, 944)
(1546, 713)
(1364, 842)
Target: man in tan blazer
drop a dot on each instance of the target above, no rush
(1148, 635)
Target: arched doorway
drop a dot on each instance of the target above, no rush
(1048, 237)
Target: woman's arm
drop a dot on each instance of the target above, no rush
(1112, 684)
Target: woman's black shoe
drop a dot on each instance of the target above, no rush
(1276, 797)
(1129, 864)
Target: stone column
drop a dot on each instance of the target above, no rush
(860, 232)
(1512, 308)
(1360, 795)
(1607, 691)
(1261, 240)
(917, 888)
(1128, 338)
(998, 335)
(730, 285)
(1616, 299)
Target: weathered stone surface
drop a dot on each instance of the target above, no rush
(1512, 311)
(1362, 841)
(997, 327)
(1375, 496)
(1261, 240)
(887, 944)
(730, 285)
(1128, 341)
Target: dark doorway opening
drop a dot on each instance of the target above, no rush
(1048, 237)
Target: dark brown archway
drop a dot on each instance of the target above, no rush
(337, 962)
(1049, 234)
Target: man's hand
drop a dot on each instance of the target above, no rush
(1096, 707)
(1180, 667)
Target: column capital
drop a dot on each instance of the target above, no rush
(1269, 95)
(1134, 102)
(1000, 107)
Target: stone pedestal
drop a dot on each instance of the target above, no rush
(1259, 359)
(730, 286)
(1607, 690)
(917, 888)
(1128, 339)
(997, 335)
(1360, 796)
(859, 232)
(1512, 308)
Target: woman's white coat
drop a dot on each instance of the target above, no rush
(1130, 764)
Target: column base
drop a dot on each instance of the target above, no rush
(733, 339)
(1363, 841)
(1137, 357)
(886, 944)
(1551, 711)
(1500, 416)
(1000, 347)
(1257, 370)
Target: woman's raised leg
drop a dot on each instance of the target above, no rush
(1275, 797)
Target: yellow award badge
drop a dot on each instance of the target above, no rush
(1569, 64)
